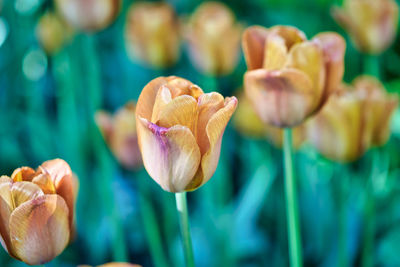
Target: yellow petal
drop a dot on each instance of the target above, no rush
(45, 183)
(281, 98)
(180, 86)
(215, 130)
(6, 207)
(170, 156)
(39, 229)
(253, 42)
(162, 99)
(147, 98)
(308, 57)
(275, 53)
(23, 192)
(208, 105)
(290, 34)
(23, 174)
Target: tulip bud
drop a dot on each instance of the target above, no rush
(214, 38)
(249, 124)
(288, 77)
(152, 34)
(120, 134)
(89, 15)
(180, 131)
(52, 32)
(354, 119)
(37, 211)
(371, 24)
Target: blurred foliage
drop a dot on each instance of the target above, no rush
(47, 106)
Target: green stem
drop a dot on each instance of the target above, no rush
(371, 65)
(151, 229)
(342, 192)
(291, 203)
(181, 206)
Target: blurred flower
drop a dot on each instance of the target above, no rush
(114, 264)
(249, 124)
(152, 34)
(288, 77)
(52, 32)
(180, 132)
(89, 15)
(214, 38)
(353, 120)
(120, 134)
(371, 24)
(37, 211)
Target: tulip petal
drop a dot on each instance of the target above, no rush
(253, 42)
(147, 98)
(290, 34)
(170, 156)
(39, 229)
(45, 183)
(179, 86)
(162, 99)
(215, 130)
(275, 53)
(208, 105)
(119, 264)
(308, 57)
(281, 98)
(6, 208)
(23, 174)
(105, 123)
(23, 192)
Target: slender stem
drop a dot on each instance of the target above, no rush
(151, 229)
(371, 65)
(291, 203)
(342, 192)
(181, 206)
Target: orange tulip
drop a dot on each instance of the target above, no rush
(180, 132)
(37, 211)
(152, 34)
(288, 77)
(353, 120)
(249, 124)
(214, 38)
(120, 134)
(89, 15)
(371, 24)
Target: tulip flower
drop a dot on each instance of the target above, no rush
(249, 124)
(52, 32)
(213, 37)
(114, 264)
(152, 34)
(37, 211)
(354, 119)
(180, 131)
(119, 132)
(371, 24)
(289, 78)
(89, 15)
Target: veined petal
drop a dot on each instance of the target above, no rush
(45, 183)
(6, 208)
(147, 98)
(56, 168)
(23, 174)
(215, 130)
(275, 54)
(290, 34)
(39, 229)
(170, 156)
(23, 192)
(253, 42)
(208, 105)
(180, 86)
(163, 97)
(308, 57)
(281, 98)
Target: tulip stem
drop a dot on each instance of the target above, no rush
(181, 206)
(371, 65)
(292, 212)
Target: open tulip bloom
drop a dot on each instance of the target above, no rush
(37, 211)
(180, 131)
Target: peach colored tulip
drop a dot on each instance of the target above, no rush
(89, 15)
(289, 78)
(213, 37)
(353, 120)
(37, 211)
(152, 34)
(249, 124)
(120, 134)
(180, 132)
(371, 24)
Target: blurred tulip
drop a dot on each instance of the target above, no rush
(114, 264)
(371, 24)
(180, 132)
(249, 124)
(152, 34)
(52, 32)
(288, 77)
(214, 38)
(89, 15)
(353, 120)
(37, 211)
(120, 134)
